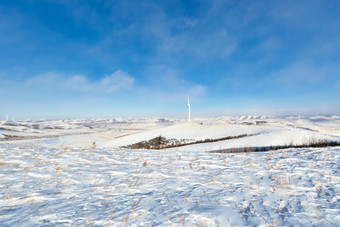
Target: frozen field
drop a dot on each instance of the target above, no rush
(115, 133)
(73, 172)
(104, 187)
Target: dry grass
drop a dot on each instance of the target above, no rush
(145, 164)
(160, 142)
(311, 144)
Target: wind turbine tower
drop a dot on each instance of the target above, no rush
(189, 116)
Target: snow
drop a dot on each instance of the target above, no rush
(138, 187)
(115, 133)
(74, 172)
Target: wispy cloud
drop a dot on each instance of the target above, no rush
(165, 90)
(112, 83)
(168, 85)
(307, 72)
(117, 81)
(216, 51)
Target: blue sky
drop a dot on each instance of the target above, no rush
(143, 58)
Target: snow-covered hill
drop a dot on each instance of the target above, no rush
(115, 133)
(74, 172)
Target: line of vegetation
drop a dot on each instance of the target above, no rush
(314, 144)
(160, 142)
(8, 137)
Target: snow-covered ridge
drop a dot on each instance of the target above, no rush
(114, 133)
(74, 172)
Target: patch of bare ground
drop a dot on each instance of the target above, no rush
(314, 144)
(15, 137)
(160, 142)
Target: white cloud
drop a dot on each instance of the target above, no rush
(307, 72)
(77, 82)
(167, 86)
(45, 79)
(114, 82)
(117, 81)
(164, 90)
(197, 89)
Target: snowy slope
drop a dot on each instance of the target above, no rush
(259, 135)
(72, 172)
(115, 187)
(115, 133)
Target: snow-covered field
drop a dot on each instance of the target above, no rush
(72, 172)
(115, 133)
